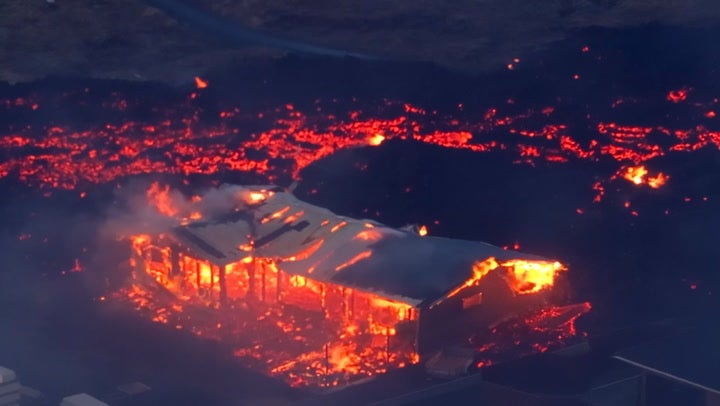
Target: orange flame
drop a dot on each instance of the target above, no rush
(657, 181)
(636, 174)
(297, 281)
(138, 241)
(338, 226)
(423, 231)
(305, 253)
(479, 270)
(376, 140)
(256, 197)
(200, 83)
(532, 276)
(160, 198)
(524, 276)
(357, 258)
(368, 338)
(275, 215)
(639, 175)
(369, 235)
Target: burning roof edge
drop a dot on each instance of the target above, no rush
(426, 269)
(398, 264)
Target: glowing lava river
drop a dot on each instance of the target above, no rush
(613, 175)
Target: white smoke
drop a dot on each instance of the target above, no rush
(134, 212)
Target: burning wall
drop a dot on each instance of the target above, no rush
(324, 334)
(323, 300)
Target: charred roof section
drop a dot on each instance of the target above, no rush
(314, 242)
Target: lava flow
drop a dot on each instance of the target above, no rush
(302, 327)
(70, 158)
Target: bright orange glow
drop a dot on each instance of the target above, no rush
(402, 311)
(362, 328)
(423, 231)
(276, 215)
(307, 252)
(532, 276)
(294, 217)
(179, 144)
(353, 334)
(479, 270)
(376, 140)
(636, 175)
(639, 175)
(138, 241)
(297, 281)
(357, 258)
(677, 96)
(549, 328)
(256, 197)
(338, 226)
(523, 276)
(200, 83)
(657, 181)
(159, 197)
(369, 235)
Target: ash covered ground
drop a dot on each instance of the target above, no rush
(639, 254)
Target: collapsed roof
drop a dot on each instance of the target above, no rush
(314, 242)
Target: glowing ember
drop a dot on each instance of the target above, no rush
(369, 235)
(524, 276)
(423, 231)
(376, 140)
(307, 331)
(547, 329)
(677, 96)
(639, 175)
(159, 197)
(357, 258)
(480, 269)
(62, 157)
(200, 83)
(532, 276)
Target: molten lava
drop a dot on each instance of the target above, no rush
(65, 157)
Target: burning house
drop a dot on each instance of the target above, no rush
(310, 294)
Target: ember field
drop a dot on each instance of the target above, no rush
(601, 151)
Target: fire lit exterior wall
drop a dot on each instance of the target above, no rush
(355, 333)
(450, 321)
(320, 299)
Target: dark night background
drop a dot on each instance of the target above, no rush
(636, 270)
